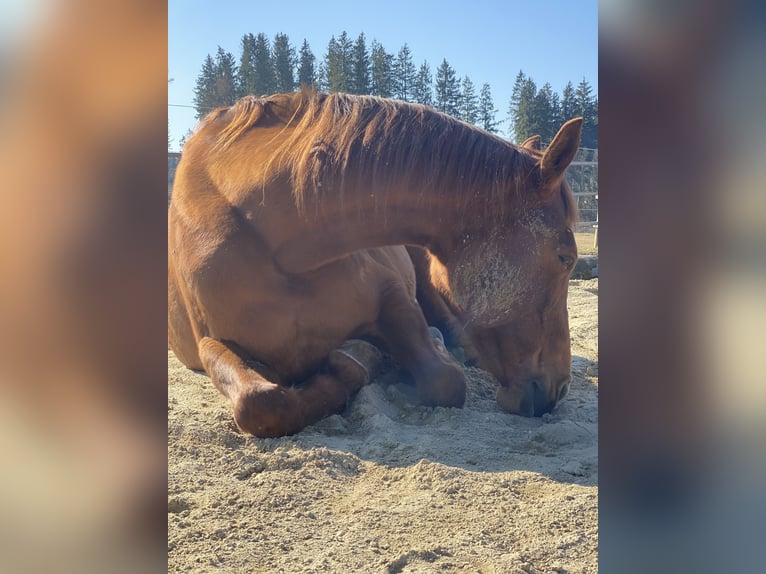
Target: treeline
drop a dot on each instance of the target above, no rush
(267, 67)
(542, 111)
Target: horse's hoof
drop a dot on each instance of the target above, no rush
(447, 389)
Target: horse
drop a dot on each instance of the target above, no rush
(506, 350)
(287, 268)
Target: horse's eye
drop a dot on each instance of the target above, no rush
(567, 261)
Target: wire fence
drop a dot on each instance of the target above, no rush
(582, 177)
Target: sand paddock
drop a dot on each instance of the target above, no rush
(389, 486)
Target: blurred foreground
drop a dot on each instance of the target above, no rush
(83, 297)
(683, 270)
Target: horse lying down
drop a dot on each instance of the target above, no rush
(285, 235)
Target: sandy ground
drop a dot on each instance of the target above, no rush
(389, 486)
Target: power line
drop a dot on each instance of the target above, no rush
(206, 108)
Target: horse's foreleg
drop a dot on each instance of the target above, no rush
(267, 409)
(438, 378)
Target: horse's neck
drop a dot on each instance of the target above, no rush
(364, 220)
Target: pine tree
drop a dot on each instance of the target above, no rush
(404, 75)
(337, 67)
(246, 71)
(331, 68)
(226, 74)
(487, 110)
(264, 81)
(583, 96)
(306, 72)
(322, 71)
(216, 84)
(204, 89)
(524, 117)
(469, 102)
(543, 120)
(447, 90)
(556, 116)
(382, 71)
(284, 64)
(587, 107)
(422, 92)
(515, 103)
(360, 79)
(568, 103)
(346, 47)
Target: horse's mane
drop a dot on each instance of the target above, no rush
(337, 140)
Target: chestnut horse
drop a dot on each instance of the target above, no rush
(280, 233)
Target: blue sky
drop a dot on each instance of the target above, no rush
(552, 41)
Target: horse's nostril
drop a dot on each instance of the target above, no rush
(564, 391)
(535, 402)
(528, 400)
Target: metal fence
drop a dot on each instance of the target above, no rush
(582, 177)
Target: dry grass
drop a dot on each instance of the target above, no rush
(585, 244)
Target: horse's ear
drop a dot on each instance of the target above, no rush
(533, 142)
(561, 152)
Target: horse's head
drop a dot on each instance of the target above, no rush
(512, 283)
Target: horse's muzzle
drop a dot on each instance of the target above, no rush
(532, 399)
